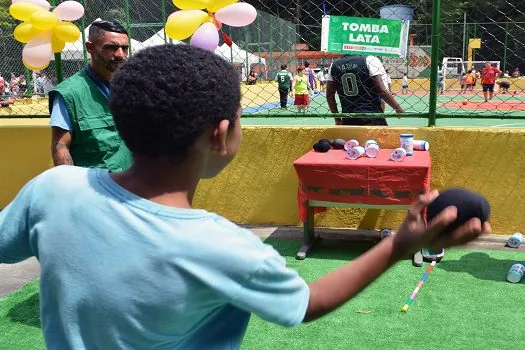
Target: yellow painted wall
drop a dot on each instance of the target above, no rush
(260, 185)
(25, 151)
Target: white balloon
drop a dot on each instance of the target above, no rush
(42, 3)
(237, 15)
(37, 52)
(69, 11)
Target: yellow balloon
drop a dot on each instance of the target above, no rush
(44, 20)
(182, 24)
(215, 5)
(25, 32)
(24, 10)
(191, 4)
(57, 45)
(67, 32)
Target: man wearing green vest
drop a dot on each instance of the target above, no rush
(284, 79)
(83, 130)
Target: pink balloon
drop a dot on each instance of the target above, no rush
(237, 15)
(42, 3)
(37, 52)
(69, 11)
(206, 37)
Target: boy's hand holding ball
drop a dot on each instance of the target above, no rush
(454, 217)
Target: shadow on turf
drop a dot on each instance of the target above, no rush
(325, 248)
(481, 266)
(26, 312)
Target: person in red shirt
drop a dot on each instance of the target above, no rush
(488, 79)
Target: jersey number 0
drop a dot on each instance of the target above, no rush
(349, 82)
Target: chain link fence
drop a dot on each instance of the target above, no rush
(289, 33)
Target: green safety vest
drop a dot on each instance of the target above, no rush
(95, 140)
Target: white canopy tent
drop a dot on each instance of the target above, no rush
(159, 38)
(236, 55)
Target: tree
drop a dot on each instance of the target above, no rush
(7, 23)
(116, 14)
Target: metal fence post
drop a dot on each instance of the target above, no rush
(58, 56)
(434, 61)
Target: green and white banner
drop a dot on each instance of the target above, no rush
(364, 36)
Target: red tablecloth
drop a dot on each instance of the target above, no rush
(333, 177)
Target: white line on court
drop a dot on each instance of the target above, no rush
(510, 124)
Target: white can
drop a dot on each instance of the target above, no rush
(355, 152)
(351, 144)
(407, 142)
(398, 154)
(515, 273)
(372, 150)
(515, 240)
(421, 145)
(370, 142)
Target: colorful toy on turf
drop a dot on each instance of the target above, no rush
(418, 287)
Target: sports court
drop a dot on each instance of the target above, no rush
(261, 107)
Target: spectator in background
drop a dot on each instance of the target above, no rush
(15, 85)
(504, 86)
(469, 80)
(477, 77)
(321, 77)
(516, 73)
(488, 79)
(252, 78)
(310, 75)
(404, 84)
(441, 81)
(284, 81)
(301, 89)
(2, 85)
(22, 85)
(46, 84)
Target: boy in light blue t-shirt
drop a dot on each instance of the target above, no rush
(127, 263)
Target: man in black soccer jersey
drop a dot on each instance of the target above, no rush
(358, 80)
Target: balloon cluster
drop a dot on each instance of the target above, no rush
(204, 26)
(44, 32)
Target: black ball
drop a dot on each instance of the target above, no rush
(338, 143)
(470, 205)
(322, 146)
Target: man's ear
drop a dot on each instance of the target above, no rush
(89, 46)
(219, 137)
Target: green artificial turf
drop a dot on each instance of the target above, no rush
(20, 320)
(465, 304)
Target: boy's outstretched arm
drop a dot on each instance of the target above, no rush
(14, 228)
(339, 286)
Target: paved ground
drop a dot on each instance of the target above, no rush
(15, 276)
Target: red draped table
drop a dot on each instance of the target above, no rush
(332, 180)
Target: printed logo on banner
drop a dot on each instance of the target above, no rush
(360, 35)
